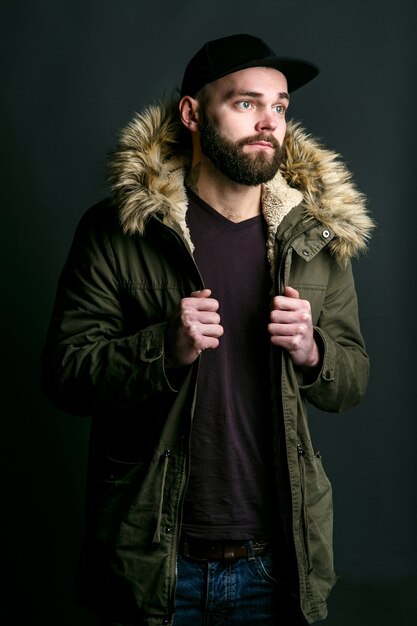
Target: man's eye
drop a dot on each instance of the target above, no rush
(280, 109)
(245, 104)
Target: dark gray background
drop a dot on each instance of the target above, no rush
(73, 73)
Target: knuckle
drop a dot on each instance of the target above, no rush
(185, 318)
(295, 342)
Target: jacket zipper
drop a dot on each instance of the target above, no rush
(178, 523)
(279, 286)
(187, 251)
(180, 510)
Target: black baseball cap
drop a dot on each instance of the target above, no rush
(224, 56)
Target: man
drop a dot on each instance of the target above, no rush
(198, 311)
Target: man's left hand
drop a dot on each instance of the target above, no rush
(291, 328)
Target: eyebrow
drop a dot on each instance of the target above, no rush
(233, 93)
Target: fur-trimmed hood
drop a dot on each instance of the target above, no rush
(148, 168)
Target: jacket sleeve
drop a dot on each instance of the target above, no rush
(89, 361)
(343, 376)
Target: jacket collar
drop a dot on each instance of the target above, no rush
(148, 168)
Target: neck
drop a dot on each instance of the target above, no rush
(234, 201)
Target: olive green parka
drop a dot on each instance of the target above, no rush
(129, 265)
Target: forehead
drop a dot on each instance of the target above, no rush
(265, 81)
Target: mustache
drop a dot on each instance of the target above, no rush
(259, 137)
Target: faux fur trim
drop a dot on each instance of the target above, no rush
(147, 169)
(329, 193)
(147, 173)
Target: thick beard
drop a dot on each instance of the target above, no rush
(230, 160)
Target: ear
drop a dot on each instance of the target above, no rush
(189, 113)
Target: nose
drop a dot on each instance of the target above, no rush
(267, 121)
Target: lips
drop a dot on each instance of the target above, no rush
(261, 145)
(264, 144)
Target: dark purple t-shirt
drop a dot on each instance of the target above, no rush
(228, 495)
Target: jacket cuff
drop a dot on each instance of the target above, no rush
(327, 370)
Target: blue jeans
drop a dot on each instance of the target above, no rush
(242, 592)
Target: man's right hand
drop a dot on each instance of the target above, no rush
(194, 327)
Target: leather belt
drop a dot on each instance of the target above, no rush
(203, 550)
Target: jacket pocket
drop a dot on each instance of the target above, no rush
(116, 470)
(111, 495)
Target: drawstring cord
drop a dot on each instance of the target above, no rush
(157, 535)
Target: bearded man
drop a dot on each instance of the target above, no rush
(199, 310)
